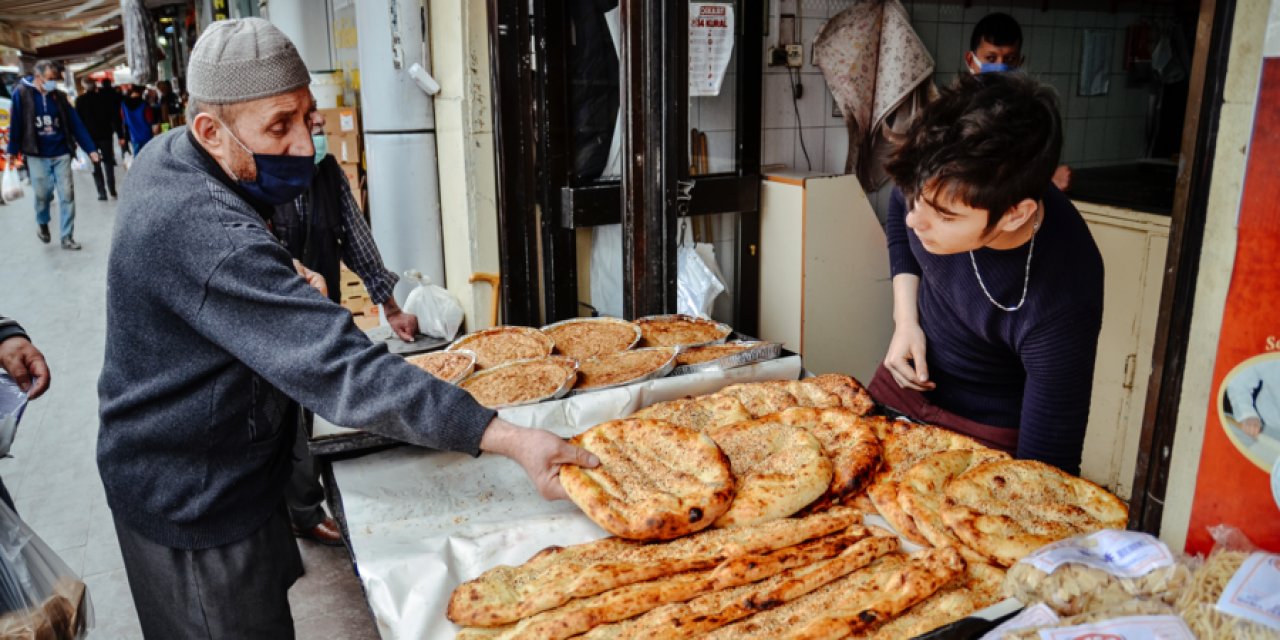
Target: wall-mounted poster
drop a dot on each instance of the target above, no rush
(710, 46)
(1242, 435)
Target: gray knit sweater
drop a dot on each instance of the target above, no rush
(209, 332)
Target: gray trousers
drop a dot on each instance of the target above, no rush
(238, 590)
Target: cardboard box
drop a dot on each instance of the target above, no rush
(346, 147)
(341, 120)
(352, 171)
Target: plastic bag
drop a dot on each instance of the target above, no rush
(439, 314)
(81, 162)
(127, 161)
(698, 278)
(1099, 571)
(13, 400)
(10, 185)
(40, 597)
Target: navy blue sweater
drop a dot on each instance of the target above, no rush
(210, 332)
(1031, 369)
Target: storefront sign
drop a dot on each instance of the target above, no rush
(1242, 432)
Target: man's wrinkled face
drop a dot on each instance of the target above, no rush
(945, 225)
(278, 125)
(988, 53)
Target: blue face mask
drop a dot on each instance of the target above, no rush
(281, 178)
(994, 67)
(321, 142)
(50, 85)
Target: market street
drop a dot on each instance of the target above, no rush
(60, 298)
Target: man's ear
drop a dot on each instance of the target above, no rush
(1023, 213)
(208, 131)
(971, 62)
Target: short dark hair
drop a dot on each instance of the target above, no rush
(1000, 29)
(990, 140)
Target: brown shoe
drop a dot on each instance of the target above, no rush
(326, 533)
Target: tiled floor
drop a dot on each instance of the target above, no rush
(59, 297)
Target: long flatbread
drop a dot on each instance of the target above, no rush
(556, 575)
(978, 588)
(856, 602)
(581, 615)
(711, 611)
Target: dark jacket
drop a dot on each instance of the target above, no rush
(10, 328)
(100, 114)
(210, 333)
(58, 137)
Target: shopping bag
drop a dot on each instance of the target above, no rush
(40, 597)
(81, 162)
(439, 314)
(10, 185)
(128, 160)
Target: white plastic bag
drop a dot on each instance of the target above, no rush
(81, 162)
(40, 596)
(439, 314)
(127, 161)
(10, 186)
(697, 285)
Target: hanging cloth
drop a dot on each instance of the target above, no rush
(879, 72)
(139, 41)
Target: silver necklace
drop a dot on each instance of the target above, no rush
(1026, 278)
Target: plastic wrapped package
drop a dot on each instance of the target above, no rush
(10, 185)
(1198, 604)
(1128, 609)
(439, 314)
(40, 597)
(1099, 572)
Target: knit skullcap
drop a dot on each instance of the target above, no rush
(242, 60)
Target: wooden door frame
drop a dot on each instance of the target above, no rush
(1182, 266)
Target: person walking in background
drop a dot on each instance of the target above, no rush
(44, 129)
(139, 120)
(101, 116)
(170, 104)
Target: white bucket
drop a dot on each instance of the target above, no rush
(327, 89)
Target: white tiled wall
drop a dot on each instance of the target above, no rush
(1097, 130)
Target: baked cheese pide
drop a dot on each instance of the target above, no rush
(500, 345)
(622, 367)
(680, 331)
(590, 337)
(450, 366)
(522, 381)
(656, 480)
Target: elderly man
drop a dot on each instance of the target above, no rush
(211, 332)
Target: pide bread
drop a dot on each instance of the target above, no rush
(656, 480)
(778, 470)
(499, 345)
(1007, 509)
(977, 588)
(848, 440)
(761, 399)
(920, 493)
(853, 396)
(556, 575)
(700, 414)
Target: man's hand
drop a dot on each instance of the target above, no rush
(905, 360)
(1062, 177)
(95, 157)
(1251, 427)
(540, 453)
(404, 324)
(22, 360)
(314, 279)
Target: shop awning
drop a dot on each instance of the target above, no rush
(29, 25)
(94, 45)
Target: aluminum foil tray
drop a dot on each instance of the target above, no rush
(760, 351)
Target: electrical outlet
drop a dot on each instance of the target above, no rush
(777, 57)
(795, 56)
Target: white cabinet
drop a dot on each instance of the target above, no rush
(1133, 247)
(825, 290)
